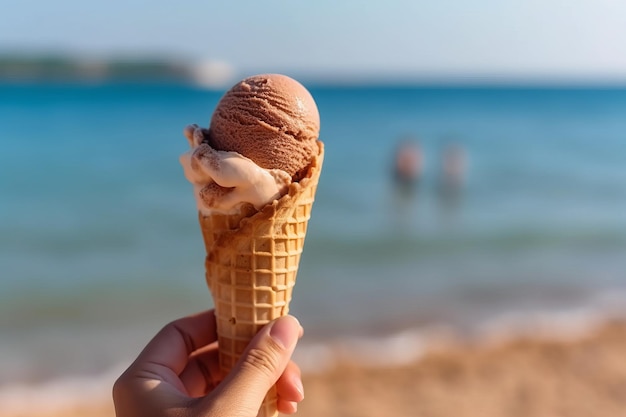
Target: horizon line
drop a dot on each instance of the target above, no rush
(217, 74)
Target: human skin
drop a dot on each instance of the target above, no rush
(177, 374)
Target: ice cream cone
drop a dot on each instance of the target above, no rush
(251, 266)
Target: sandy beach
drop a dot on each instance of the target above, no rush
(520, 377)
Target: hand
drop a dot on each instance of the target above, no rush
(177, 374)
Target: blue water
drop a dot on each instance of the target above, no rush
(99, 244)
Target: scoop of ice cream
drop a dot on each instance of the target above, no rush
(271, 119)
(262, 136)
(223, 180)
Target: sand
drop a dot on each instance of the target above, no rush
(521, 377)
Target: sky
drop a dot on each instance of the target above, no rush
(533, 39)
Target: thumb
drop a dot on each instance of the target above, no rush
(260, 366)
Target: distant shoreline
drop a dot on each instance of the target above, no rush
(24, 68)
(58, 68)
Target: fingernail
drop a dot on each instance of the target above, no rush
(298, 384)
(285, 331)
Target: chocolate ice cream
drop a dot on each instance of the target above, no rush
(271, 119)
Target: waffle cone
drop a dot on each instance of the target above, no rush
(251, 266)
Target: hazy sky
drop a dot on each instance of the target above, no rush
(528, 38)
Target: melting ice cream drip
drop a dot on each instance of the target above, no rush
(223, 180)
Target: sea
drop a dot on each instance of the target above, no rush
(100, 246)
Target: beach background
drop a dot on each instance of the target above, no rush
(505, 296)
(101, 247)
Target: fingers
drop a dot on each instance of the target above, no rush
(289, 385)
(182, 361)
(152, 380)
(287, 407)
(171, 347)
(264, 361)
(202, 373)
(289, 389)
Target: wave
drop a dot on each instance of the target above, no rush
(410, 344)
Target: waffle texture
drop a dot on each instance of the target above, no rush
(251, 266)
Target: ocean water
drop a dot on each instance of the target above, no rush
(99, 243)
